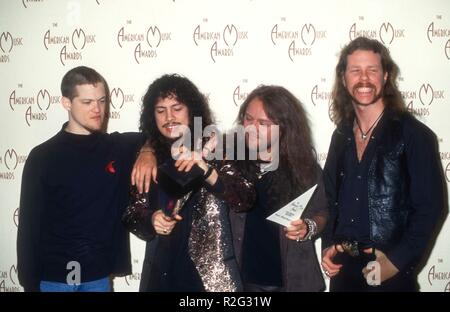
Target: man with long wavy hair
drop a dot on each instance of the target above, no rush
(188, 237)
(382, 177)
(272, 257)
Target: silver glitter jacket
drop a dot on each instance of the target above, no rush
(210, 241)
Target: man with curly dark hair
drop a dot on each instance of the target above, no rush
(189, 244)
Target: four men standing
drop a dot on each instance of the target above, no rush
(382, 178)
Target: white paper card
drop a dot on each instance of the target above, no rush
(293, 210)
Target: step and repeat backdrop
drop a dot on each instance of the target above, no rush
(227, 48)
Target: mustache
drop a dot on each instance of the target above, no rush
(364, 85)
(170, 124)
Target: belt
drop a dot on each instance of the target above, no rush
(354, 248)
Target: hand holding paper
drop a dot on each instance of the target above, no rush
(293, 210)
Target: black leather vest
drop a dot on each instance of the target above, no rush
(387, 184)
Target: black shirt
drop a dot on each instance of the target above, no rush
(173, 269)
(353, 221)
(261, 247)
(424, 192)
(74, 190)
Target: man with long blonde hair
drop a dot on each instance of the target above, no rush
(382, 177)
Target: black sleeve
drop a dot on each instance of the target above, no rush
(329, 175)
(232, 187)
(32, 204)
(131, 142)
(426, 189)
(138, 215)
(318, 206)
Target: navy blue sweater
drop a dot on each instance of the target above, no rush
(74, 191)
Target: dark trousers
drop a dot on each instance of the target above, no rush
(261, 288)
(351, 278)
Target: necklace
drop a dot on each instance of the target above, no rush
(364, 135)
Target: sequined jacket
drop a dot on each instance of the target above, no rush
(210, 242)
(405, 192)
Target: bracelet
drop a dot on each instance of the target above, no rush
(208, 172)
(312, 229)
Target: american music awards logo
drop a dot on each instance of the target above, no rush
(118, 99)
(320, 93)
(16, 217)
(70, 45)
(442, 277)
(146, 43)
(297, 40)
(134, 279)
(221, 41)
(9, 281)
(9, 160)
(420, 101)
(34, 107)
(28, 2)
(439, 35)
(385, 32)
(240, 92)
(322, 157)
(445, 157)
(7, 43)
(447, 172)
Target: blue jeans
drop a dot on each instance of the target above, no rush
(100, 285)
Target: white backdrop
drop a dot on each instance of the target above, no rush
(227, 48)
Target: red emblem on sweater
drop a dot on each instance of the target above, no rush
(110, 167)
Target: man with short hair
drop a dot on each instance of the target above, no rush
(74, 190)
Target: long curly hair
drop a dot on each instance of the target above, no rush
(341, 107)
(297, 159)
(181, 88)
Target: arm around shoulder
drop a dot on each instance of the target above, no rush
(237, 191)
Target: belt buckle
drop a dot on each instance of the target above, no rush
(351, 248)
